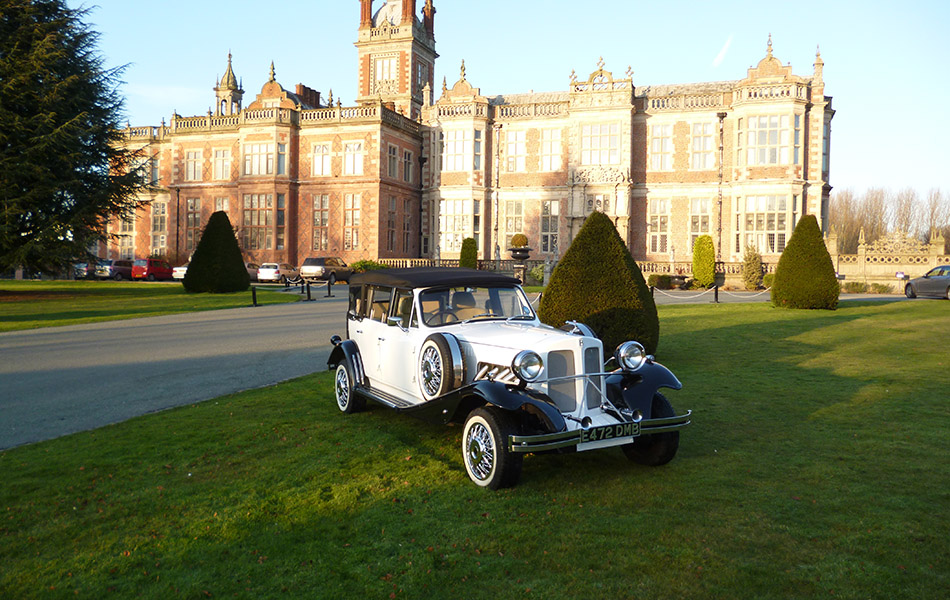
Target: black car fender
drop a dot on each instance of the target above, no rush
(347, 350)
(636, 389)
(455, 406)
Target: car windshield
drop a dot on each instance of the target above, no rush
(269, 266)
(462, 304)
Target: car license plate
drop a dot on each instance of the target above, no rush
(609, 432)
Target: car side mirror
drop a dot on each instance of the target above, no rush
(397, 321)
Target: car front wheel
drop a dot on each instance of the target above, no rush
(659, 448)
(488, 461)
(346, 400)
(909, 291)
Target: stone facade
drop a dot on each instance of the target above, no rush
(409, 172)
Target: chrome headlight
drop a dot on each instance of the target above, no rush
(630, 356)
(527, 365)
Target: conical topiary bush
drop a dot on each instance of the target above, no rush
(805, 276)
(469, 255)
(704, 262)
(217, 265)
(598, 283)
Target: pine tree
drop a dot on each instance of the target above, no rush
(805, 276)
(598, 283)
(63, 172)
(217, 265)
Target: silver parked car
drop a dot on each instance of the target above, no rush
(278, 272)
(935, 283)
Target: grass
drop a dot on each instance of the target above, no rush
(817, 465)
(32, 304)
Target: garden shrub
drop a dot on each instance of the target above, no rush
(598, 283)
(752, 268)
(881, 288)
(469, 256)
(519, 240)
(704, 262)
(660, 281)
(767, 280)
(362, 266)
(854, 287)
(805, 276)
(537, 273)
(217, 265)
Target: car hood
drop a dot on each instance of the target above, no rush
(512, 335)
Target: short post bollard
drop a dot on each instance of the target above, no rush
(716, 294)
(329, 287)
(253, 296)
(308, 291)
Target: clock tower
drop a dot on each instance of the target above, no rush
(396, 50)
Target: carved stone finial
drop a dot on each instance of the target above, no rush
(462, 71)
(768, 50)
(630, 71)
(601, 63)
(445, 86)
(861, 237)
(573, 76)
(330, 99)
(272, 74)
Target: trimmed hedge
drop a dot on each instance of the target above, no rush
(598, 283)
(704, 262)
(217, 265)
(469, 255)
(361, 266)
(805, 276)
(660, 281)
(752, 268)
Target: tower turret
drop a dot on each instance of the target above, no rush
(228, 93)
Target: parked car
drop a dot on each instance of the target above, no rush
(114, 269)
(935, 283)
(84, 270)
(330, 268)
(179, 271)
(279, 272)
(151, 269)
(252, 269)
(465, 346)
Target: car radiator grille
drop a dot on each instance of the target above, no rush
(563, 392)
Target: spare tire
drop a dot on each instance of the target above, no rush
(440, 365)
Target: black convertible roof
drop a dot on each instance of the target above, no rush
(421, 277)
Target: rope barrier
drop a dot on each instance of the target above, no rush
(767, 291)
(685, 297)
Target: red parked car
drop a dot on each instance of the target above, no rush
(151, 269)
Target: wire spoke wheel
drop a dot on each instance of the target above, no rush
(488, 461)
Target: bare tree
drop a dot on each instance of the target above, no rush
(906, 214)
(845, 220)
(874, 213)
(936, 213)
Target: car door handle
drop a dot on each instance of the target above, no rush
(381, 339)
(359, 331)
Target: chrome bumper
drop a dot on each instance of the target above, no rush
(564, 439)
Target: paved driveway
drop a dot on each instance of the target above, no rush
(61, 380)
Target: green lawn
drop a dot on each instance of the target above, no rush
(817, 465)
(32, 304)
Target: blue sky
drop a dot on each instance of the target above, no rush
(885, 62)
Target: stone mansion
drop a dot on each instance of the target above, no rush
(414, 166)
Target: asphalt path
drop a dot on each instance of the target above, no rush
(57, 381)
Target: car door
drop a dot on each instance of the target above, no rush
(372, 332)
(931, 282)
(403, 341)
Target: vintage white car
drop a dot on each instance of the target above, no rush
(466, 346)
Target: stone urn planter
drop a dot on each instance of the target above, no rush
(520, 252)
